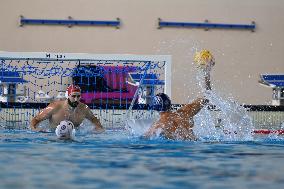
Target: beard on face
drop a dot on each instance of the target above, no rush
(73, 104)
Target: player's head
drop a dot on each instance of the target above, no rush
(73, 94)
(161, 102)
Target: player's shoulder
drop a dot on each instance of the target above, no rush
(56, 104)
(83, 106)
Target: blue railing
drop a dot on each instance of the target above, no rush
(70, 22)
(206, 25)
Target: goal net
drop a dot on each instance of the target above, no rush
(110, 83)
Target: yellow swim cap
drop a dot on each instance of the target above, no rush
(203, 57)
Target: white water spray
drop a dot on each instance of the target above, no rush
(227, 121)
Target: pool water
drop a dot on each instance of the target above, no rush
(115, 160)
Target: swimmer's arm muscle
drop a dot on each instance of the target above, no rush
(43, 115)
(193, 108)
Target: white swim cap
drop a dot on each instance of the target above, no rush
(65, 130)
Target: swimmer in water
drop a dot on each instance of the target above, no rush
(70, 109)
(176, 125)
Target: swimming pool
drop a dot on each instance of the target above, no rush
(115, 160)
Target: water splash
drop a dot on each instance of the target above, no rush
(138, 127)
(227, 121)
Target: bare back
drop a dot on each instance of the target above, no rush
(177, 125)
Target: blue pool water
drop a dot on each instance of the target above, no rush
(115, 160)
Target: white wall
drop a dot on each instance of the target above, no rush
(241, 55)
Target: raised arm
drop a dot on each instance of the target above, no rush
(193, 108)
(90, 116)
(207, 82)
(44, 114)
